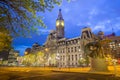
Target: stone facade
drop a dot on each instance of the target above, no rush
(71, 50)
(68, 51)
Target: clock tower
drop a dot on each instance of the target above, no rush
(60, 25)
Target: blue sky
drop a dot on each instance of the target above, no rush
(97, 14)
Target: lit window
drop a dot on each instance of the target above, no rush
(119, 44)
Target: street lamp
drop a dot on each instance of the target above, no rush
(46, 49)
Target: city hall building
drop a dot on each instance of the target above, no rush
(68, 52)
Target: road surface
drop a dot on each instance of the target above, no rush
(26, 73)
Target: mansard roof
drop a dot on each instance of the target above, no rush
(73, 38)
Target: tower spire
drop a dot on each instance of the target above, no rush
(60, 15)
(60, 25)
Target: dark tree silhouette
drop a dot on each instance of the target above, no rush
(19, 16)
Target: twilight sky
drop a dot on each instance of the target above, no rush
(97, 14)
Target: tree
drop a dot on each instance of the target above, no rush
(29, 59)
(34, 59)
(97, 51)
(19, 16)
(5, 39)
(39, 58)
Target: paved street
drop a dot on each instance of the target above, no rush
(36, 73)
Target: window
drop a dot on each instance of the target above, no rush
(76, 63)
(68, 42)
(72, 57)
(119, 44)
(76, 57)
(63, 57)
(63, 63)
(68, 50)
(72, 64)
(63, 43)
(80, 55)
(75, 49)
(60, 43)
(78, 47)
(71, 49)
(69, 57)
(63, 50)
(76, 41)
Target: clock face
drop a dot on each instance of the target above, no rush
(57, 23)
(60, 23)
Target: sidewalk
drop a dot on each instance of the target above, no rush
(86, 70)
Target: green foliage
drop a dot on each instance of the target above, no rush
(82, 61)
(5, 39)
(19, 16)
(52, 59)
(33, 59)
